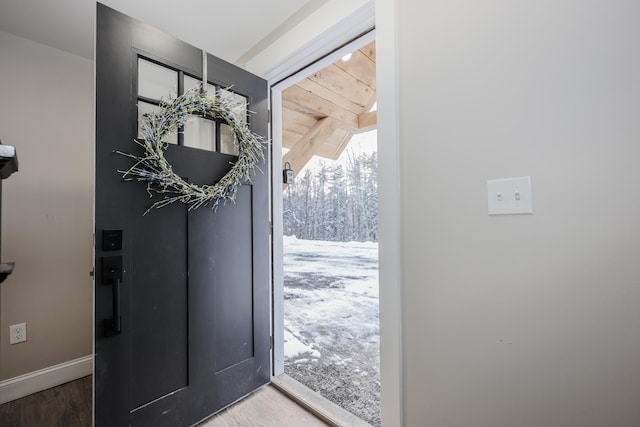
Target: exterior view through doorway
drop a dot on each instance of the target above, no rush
(326, 322)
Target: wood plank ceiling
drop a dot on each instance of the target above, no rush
(324, 111)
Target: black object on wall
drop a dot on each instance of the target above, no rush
(8, 165)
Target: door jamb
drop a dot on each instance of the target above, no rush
(383, 14)
(276, 188)
(391, 368)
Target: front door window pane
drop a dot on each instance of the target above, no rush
(200, 133)
(190, 83)
(146, 108)
(155, 81)
(227, 140)
(238, 104)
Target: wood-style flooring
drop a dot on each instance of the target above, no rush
(69, 405)
(266, 407)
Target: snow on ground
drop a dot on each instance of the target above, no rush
(331, 321)
(293, 347)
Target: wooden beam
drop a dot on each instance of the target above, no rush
(331, 96)
(289, 138)
(295, 120)
(310, 144)
(335, 145)
(370, 51)
(361, 67)
(343, 83)
(299, 99)
(323, 112)
(367, 121)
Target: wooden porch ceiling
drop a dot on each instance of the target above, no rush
(322, 112)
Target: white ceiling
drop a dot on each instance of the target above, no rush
(228, 29)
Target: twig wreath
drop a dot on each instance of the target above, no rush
(157, 172)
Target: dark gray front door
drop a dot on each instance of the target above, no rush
(194, 296)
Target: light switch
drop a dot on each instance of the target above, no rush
(510, 196)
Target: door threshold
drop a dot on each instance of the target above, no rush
(318, 405)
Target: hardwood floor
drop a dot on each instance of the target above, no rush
(69, 405)
(267, 407)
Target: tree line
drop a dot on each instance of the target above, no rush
(334, 202)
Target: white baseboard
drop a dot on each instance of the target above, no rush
(33, 382)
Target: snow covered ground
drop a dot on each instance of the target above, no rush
(331, 322)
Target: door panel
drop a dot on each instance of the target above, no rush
(194, 294)
(159, 297)
(233, 300)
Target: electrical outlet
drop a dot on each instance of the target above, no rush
(17, 333)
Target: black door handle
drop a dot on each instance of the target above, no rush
(117, 318)
(112, 275)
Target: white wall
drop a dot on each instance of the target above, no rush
(518, 320)
(46, 112)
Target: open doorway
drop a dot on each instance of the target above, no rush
(326, 286)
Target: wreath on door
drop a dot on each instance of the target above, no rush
(154, 169)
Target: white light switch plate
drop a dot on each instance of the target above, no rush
(510, 196)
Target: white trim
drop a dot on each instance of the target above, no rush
(389, 212)
(276, 187)
(277, 274)
(356, 24)
(389, 187)
(320, 53)
(33, 382)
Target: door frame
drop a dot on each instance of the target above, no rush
(276, 186)
(383, 18)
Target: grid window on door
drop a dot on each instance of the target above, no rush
(227, 137)
(199, 132)
(157, 82)
(147, 108)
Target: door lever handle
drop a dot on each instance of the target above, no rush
(116, 322)
(112, 275)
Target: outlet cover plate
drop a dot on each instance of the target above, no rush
(17, 333)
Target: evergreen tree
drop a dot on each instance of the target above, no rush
(334, 204)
